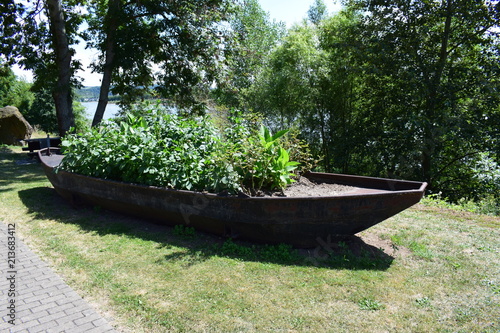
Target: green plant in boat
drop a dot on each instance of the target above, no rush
(153, 147)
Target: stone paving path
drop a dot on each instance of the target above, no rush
(36, 299)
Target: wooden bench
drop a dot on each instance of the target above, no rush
(36, 144)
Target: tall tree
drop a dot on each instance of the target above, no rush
(174, 46)
(253, 37)
(431, 80)
(38, 35)
(7, 80)
(110, 11)
(286, 88)
(307, 83)
(317, 12)
(404, 89)
(14, 91)
(62, 91)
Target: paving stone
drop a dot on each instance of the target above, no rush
(44, 302)
(43, 327)
(61, 308)
(84, 327)
(50, 318)
(87, 319)
(69, 318)
(97, 330)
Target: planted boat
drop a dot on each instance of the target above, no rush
(299, 221)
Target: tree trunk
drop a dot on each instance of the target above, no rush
(62, 92)
(434, 86)
(111, 18)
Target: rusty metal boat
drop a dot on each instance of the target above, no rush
(299, 221)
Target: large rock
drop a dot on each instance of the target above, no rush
(13, 126)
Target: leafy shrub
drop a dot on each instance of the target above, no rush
(299, 151)
(488, 205)
(262, 162)
(160, 150)
(152, 147)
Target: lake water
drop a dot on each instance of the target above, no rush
(111, 110)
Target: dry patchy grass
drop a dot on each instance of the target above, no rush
(440, 270)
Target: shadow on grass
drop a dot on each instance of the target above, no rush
(17, 168)
(195, 247)
(5, 149)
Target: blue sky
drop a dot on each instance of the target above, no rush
(293, 11)
(288, 11)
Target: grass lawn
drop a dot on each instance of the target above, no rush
(439, 270)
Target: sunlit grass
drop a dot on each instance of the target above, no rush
(442, 274)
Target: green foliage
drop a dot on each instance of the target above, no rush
(183, 231)
(6, 79)
(180, 38)
(299, 150)
(371, 304)
(80, 114)
(173, 46)
(40, 38)
(429, 70)
(150, 146)
(14, 91)
(254, 36)
(42, 113)
(9, 26)
(306, 86)
(394, 89)
(317, 12)
(287, 86)
(161, 150)
(260, 158)
(423, 302)
(488, 205)
(230, 248)
(264, 164)
(279, 253)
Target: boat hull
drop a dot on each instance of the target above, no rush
(299, 221)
